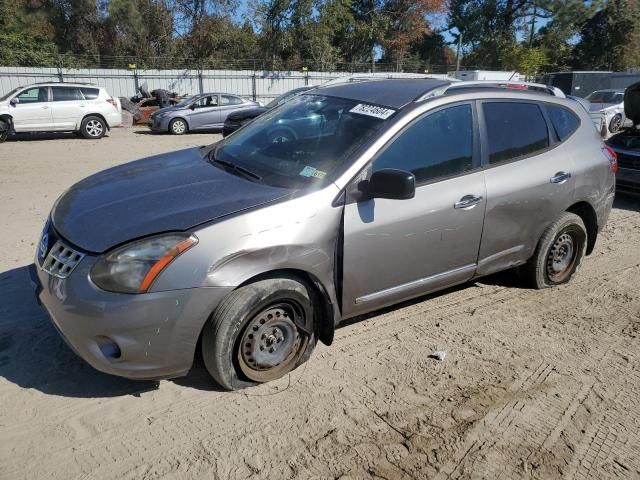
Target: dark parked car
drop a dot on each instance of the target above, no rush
(626, 144)
(237, 119)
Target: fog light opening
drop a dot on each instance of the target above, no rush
(109, 348)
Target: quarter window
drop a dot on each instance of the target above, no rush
(90, 93)
(437, 145)
(564, 122)
(66, 94)
(34, 95)
(514, 130)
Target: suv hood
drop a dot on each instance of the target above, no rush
(173, 191)
(632, 103)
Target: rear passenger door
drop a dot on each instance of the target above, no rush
(528, 173)
(67, 107)
(228, 104)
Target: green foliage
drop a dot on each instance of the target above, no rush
(531, 36)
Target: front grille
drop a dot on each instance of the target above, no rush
(61, 260)
(628, 161)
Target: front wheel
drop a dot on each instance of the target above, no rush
(559, 252)
(178, 126)
(4, 131)
(259, 333)
(93, 128)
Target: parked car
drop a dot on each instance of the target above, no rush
(59, 107)
(237, 119)
(201, 112)
(607, 110)
(626, 144)
(254, 248)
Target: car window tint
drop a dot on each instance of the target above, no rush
(229, 100)
(564, 122)
(514, 130)
(90, 93)
(65, 94)
(207, 101)
(435, 146)
(34, 95)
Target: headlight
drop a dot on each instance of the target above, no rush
(133, 267)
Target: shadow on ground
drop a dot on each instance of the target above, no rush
(31, 137)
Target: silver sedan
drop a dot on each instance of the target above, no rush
(206, 111)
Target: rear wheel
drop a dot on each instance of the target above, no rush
(93, 128)
(178, 126)
(559, 252)
(259, 333)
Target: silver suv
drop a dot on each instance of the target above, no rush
(59, 107)
(373, 193)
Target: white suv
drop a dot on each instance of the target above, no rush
(59, 107)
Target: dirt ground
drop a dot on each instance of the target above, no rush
(541, 384)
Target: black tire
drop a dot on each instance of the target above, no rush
(280, 312)
(559, 253)
(93, 127)
(4, 131)
(178, 126)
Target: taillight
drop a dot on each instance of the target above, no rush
(113, 102)
(612, 156)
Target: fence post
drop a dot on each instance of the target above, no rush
(59, 67)
(253, 86)
(200, 80)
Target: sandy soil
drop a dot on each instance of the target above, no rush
(542, 384)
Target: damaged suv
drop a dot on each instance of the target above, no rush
(256, 247)
(626, 144)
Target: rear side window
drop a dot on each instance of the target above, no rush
(564, 122)
(90, 93)
(514, 130)
(230, 100)
(435, 146)
(65, 94)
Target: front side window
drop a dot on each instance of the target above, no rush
(207, 101)
(514, 130)
(564, 122)
(436, 146)
(34, 95)
(303, 142)
(66, 94)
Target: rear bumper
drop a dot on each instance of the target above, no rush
(114, 119)
(147, 336)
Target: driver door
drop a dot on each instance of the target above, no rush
(206, 113)
(398, 249)
(33, 111)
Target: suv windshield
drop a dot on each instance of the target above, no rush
(302, 142)
(605, 96)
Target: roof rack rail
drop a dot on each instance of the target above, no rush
(510, 85)
(367, 77)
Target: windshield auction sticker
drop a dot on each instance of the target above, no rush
(372, 111)
(312, 172)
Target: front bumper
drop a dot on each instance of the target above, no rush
(145, 336)
(158, 124)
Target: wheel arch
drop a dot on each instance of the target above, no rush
(588, 215)
(325, 322)
(5, 117)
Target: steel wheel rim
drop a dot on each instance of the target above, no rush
(562, 256)
(272, 342)
(178, 126)
(94, 128)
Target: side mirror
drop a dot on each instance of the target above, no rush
(391, 183)
(14, 101)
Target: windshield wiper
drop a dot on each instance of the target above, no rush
(237, 168)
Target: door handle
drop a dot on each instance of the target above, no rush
(44, 107)
(560, 177)
(467, 201)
